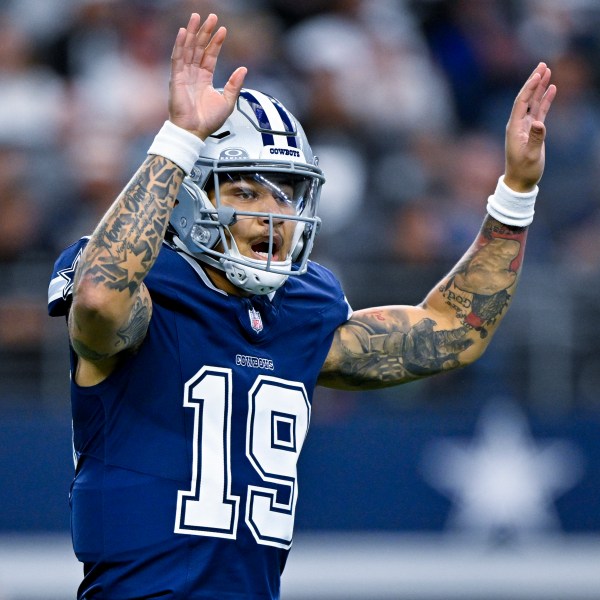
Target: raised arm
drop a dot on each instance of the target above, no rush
(452, 327)
(111, 306)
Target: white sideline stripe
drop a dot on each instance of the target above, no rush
(353, 566)
(359, 566)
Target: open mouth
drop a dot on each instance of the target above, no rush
(261, 249)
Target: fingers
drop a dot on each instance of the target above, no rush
(538, 93)
(233, 86)
(177, 54)
(535, 96)
(542, 98)
(191, 37)
(537, 134)
(521, 105)
(183, 43)
(193, 42)
(210, 54)
(202, 40)
(546, 102)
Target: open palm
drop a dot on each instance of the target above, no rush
(194, 104)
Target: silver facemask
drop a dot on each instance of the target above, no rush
(261, 142)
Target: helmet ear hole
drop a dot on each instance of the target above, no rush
(192, 218)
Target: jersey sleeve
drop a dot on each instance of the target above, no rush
(61, 281)
(327, 289)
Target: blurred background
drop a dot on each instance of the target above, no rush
(480, 484)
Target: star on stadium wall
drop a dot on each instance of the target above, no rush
(502, 483)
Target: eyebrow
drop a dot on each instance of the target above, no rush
(253, 184)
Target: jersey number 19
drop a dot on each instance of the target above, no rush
(278, 418)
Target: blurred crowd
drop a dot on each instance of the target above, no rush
(404, 101)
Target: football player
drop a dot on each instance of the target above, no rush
(199, 329)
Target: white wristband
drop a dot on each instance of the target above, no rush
(178, 145)
(510, 207)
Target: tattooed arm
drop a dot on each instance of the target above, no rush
(112, 307)
(452, 327)
(384, 346)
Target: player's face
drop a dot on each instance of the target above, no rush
(251, 233)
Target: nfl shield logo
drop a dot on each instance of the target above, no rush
(255, 320)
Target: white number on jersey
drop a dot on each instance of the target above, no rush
(278, 418)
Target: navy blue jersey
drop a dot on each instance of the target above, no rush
(185, 482)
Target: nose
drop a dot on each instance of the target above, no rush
(275, 217)
(272, 204)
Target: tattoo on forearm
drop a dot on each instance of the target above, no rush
(127, 241)
(128, 337)
(479, 288)
(376, 354)
(135, 329)
(86, 352)
(381, 347)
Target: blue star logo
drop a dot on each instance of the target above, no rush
(68, 274)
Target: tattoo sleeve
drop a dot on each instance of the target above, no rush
(451, 328)
(119, 255)
(128, 239)
(480, 288)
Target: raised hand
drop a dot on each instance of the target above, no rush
(525, 131)
(194, 104)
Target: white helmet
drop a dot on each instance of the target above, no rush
(263, 141)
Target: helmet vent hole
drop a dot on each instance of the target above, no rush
(220, 135)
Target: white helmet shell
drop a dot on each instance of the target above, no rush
(261, 139)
